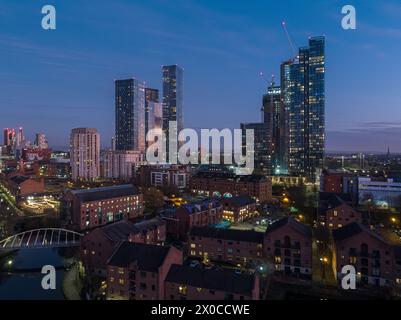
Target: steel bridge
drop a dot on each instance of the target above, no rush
(42, 238)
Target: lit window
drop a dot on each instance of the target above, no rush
(182, 289)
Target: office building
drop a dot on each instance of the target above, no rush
(380, 192)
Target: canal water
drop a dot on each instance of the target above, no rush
(21, 277)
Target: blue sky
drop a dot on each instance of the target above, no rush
(52, 81)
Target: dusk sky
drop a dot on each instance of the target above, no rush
(52, 81)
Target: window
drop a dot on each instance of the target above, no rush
(182, 290)
(287, 241)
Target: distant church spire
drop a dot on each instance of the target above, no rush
(388, 155)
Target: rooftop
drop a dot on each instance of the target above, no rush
(225, 175)
(19, 179)
(87, 195)
(120, 231)
(227, 234)
(294, 224)
(201, 205)
(353, 229)
(219, 280)
(147, 257)
(240, 201)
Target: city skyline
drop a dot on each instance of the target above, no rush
(54, 79)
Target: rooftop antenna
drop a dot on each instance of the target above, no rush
(294, 52)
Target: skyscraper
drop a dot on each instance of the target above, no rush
(153, 111)
(262, 147)
(303, 90)
(85, 154)
(9, 137)
(173, 98)
(130, 115)
(274, 118)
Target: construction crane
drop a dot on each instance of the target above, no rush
(284, 25)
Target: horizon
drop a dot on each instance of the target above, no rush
(230, 52)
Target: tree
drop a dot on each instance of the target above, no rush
(153, 198)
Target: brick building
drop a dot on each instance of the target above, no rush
(197, 214)
(218, 184)
(376, 260)
(149, 232)
(238, 209)
(138, 271)
(186, 283)
(336, 212)
(288, 243)
(226, 245)
(90, 208)
(98, 245)
(20, 186)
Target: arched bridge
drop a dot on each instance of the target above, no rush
(42, 238)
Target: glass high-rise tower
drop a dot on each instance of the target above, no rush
(130, 115)
(303, 90)
(173, 98)
(273, 118)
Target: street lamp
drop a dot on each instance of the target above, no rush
(324, 261)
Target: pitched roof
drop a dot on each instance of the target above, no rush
(293, 223)
(353, 229)
(96, 194)
(19, 179)
(239, 201)
(347, 231)
(120, 231)
(227, 234)
(148, 224)
(200, 205)
(219, 280)
(344, 197)
(147, 257)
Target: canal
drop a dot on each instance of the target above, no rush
(21, 277)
